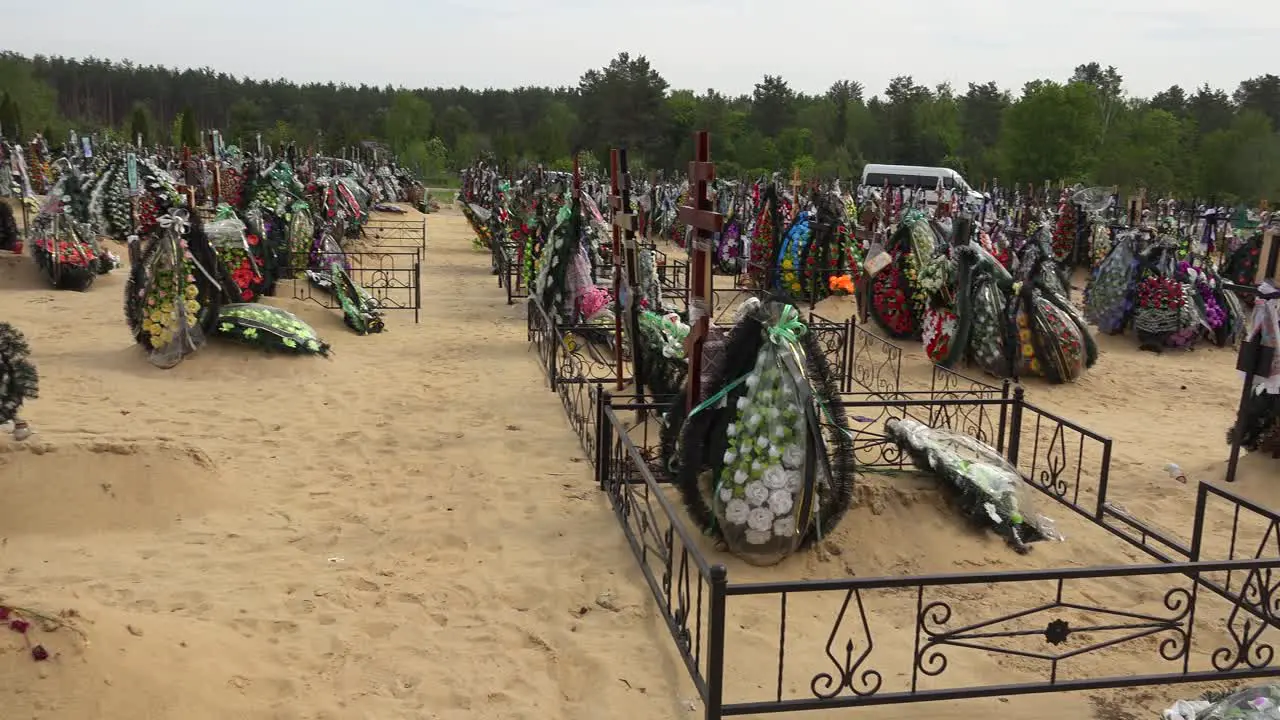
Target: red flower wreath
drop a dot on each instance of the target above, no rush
(891, 303)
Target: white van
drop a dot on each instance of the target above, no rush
(925, 178)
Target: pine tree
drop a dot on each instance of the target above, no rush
(139, 124)
(10, 118)
(190, 131)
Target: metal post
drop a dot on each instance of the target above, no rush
(715, 642)
(1015, 425)
(604, 434)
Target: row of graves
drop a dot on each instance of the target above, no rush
(1174, 274)
(272, 227)
(740, 438)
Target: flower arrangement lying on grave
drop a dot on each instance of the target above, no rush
(330, 271)
(764, 462)
(989, 489)
(360, 310)
(19, 381)
(269, 328)
(1260, 702)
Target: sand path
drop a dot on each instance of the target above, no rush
(406, 530)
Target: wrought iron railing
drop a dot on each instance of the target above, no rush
(1156, 625)
(1207, 610)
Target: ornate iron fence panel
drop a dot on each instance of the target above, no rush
(392, 278)
(396, 233)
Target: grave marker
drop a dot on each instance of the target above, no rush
(704, 223)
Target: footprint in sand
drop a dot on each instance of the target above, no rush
(365, 585)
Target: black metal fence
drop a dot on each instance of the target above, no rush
(875, 364)
(392, 277)
(509, 261)
(1206, 609)
(391, 234)
(579, 361)
(1155, 625)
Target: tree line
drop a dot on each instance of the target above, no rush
(1193, 143)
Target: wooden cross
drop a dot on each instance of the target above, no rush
(624, 228)
(704, 222)
(795, 192)
(214, 138)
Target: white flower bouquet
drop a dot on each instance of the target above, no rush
(990, 489)
(760, 493)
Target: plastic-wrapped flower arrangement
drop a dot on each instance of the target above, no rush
(939, 327)
(550, 285)
(987, 338)
(171, 295)
(756, 462)
(990, 489)
(1161, 315)
(729, 248)
(269, 328)
(1107, 298)
(761, 240)
(669, 332)
(299, 238)
(662, 344)
(854, 253)
(649, 288)
(227, 236)
(758, 497)
(1260, 702)
(794, 244)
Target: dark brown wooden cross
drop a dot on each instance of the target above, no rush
(624, 228)
(704, 222)
(217, 169)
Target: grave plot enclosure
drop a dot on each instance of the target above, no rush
(1204, 614)
(1143, 605)
(393, 276)
(395, 234)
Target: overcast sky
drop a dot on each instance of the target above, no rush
(507, 43)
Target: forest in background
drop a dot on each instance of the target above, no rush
(1204, 142)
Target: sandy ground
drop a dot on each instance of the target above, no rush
(420, 537)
